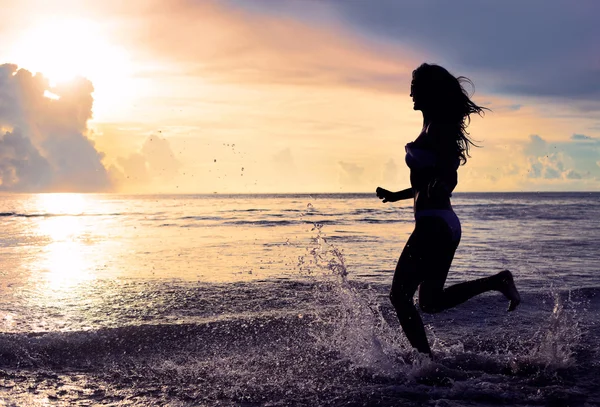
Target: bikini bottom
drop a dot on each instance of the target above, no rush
(447, 215)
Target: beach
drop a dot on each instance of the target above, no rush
(277, 300)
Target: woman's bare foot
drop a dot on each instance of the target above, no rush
(508, 288)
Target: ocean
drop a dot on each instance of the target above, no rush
(277, 300)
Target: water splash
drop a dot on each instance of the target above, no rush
(560, 335)
(353, 324)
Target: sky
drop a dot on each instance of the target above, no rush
(262, 96)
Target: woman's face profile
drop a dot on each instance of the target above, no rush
(422, 94)
(416, 95)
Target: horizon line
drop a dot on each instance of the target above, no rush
(279, 193)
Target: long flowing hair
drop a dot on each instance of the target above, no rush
(449, 105)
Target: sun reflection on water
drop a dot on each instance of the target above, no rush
(65, 264)
(62, 204)
(63, 260)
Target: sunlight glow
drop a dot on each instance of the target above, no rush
(64, 260)
(61, 228)
(51, 95)
(61, 204)
(62, 49)
(66, 265)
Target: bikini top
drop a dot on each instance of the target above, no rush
(426, 167)
(418, 158)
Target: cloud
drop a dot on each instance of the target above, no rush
(390, 173)
(22, 168)
(153, 164)
(284, 158)
(534, 48)
(133, 169)
(162, 164)
(535, 164)
(550, 166)
(581, 137)
(536, 146)
(515, 107)
(574, 159)
(46, 147)
(549, 53)
(351, 174)
(235, 45)
(283, 163)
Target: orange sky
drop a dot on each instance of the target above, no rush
(210, 97)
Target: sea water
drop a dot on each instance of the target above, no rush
(277, 300)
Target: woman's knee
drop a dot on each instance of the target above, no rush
(429, 305)
(400, 300)
(432, 296)
(428, 308)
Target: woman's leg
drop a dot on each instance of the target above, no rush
(424, 263)
(406, 280)
(434, 298)
(434, 266)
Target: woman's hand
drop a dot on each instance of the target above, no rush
(386, 195)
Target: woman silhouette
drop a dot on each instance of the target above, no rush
(433, 159)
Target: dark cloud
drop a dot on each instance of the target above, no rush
(533, 48)
(22, 168)
(537, 47)
(515, 107)
(580, 137)
(46, 148)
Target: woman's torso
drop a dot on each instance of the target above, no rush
(433, 172)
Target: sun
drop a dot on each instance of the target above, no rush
(63, 48)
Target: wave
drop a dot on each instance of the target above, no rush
(365, 210)
(376, 221)
(334, 345)
(284, 359)
(267, 223)
(288, 222)
(261, 222)
(215, 218)
(79, 348)
(306, 330)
